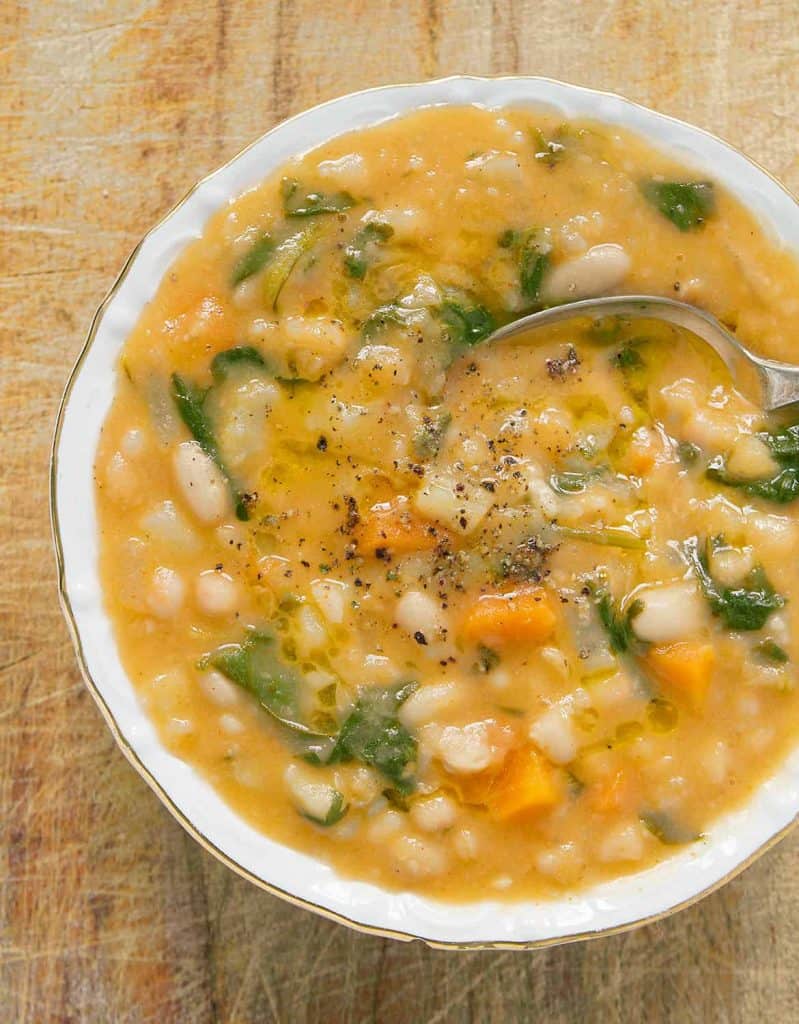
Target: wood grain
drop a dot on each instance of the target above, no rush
(108, 113)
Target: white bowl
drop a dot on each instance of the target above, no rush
(732, 843)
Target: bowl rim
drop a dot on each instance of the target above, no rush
(68, 611)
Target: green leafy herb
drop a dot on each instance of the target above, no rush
(284, 258)
(550, 151)
(532, 255)
(466, 325)
(617, 624)
(373, 734)
(629, 358)
(255, 259)
(256, 666)
(356, 255)
(606, 536)
(746, 607)
(667, 829)
(298, 203)
(429, 435)
(386, 316)
(232, 358)
(190, 403)
(338, 808)
(781, 488)
(574, 483)
(488, 659)
(769, 651)
(688, 453)
(687, 204)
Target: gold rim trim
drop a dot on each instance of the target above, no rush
(66, 607)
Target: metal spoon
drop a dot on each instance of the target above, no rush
(768, 383)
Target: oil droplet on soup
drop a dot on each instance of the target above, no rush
(452, 614)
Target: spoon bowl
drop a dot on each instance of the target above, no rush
(768, 383)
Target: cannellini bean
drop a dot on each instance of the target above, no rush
(331, 597)
(555, 734)
(596, 272)
(408, 224)
(311, 796)
(459, 505)
(121, 479)
(218, 688)
(349, 171)
(385, 824)
(627, 842)
(671, 611)
(427, 703)
(132, 443)
(434, 813)
(313, 343)
(216, 593)
(418, 612)
(717, 762)
(311, 633)
(385, 365)
(166, 593)
(472, 748)
(361, 786)
(167, 524)
(730, 565)
(418, 858)
(465, 844)
(201, 483)
(231, 725)
(564, 862)
(496, 167)
(751, 459)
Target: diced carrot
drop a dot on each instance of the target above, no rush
(528, 784)
(685, 667)
(393, 527)
(521, 615)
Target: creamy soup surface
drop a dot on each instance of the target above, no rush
(461, 617)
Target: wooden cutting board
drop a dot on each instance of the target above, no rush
(109, 112)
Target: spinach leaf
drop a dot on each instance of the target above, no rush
(356, 255)
(550, 151)
(667, 829)
(253, 260)
(284, 258)
(574, 483)
(429, 435)
(384, 316)
(256, 666)
(230, 359)
(606, 536)
(466, 325)
(687, 204)
(746, 607)
(190, 403)
(532, 255)
(374, 735)
(781, 488)
(769, 651)
(617, 624)
(298, 203)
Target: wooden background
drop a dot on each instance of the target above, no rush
(109, 111)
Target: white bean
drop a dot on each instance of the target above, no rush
(671, 611)
(417, 612)
(555, 735)
(459, 505)
(465, 844)
(471, 748)
(216, 593)
(434, 813)
(218, 688)
(166, 593)
(311, 796)
(596, 272)
(751, 459)
(201, 482)
(330, 595)
(418, 858)
(623, 843)
(427, 703)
